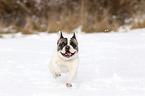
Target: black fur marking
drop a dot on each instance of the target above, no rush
(74, 36)
(61, 43)
(74, 43)
(61, 36)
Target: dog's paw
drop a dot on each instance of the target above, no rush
(57, 74)
(68, 85)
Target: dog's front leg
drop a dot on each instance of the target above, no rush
(71, 75)
(57, 71)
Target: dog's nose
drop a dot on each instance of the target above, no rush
(67, 48)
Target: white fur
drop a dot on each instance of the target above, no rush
(60, 65)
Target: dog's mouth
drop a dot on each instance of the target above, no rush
(68, 54)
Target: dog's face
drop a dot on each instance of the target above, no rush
(67, 48)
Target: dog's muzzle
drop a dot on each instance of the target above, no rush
(68, 54)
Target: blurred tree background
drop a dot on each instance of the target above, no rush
(32, 16)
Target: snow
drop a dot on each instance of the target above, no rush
(111, 64)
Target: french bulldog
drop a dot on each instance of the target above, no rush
(65, 58)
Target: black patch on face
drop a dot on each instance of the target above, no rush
(61, 43)
(74, 43)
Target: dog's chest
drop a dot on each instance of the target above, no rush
(64, 69)
(63, 65)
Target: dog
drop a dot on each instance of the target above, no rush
(65, 58)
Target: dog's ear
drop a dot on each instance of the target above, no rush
(60, 35)
(74, 35)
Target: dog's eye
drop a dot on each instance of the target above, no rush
(74, 45)
(62, 44)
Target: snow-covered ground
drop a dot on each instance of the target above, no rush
(111, 64)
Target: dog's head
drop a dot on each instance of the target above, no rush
(67, 48)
